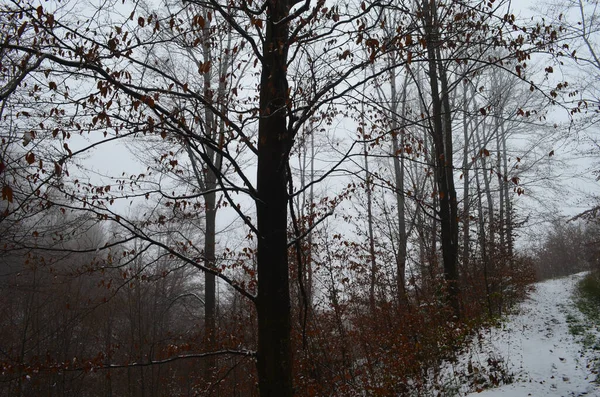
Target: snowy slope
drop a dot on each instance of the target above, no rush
(536, 346)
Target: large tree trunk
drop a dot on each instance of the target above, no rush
(274, 355)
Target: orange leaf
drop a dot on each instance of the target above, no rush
(112, 44)
(7, 193)
(30, 158)
(22, 29)
(200, 21)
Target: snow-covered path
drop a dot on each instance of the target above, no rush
(536, 346)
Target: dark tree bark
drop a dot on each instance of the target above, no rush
(442, 142)
(372, 256)
(507, 200)
(210, 212)
(466, 168)
(483, 238)
(274, 356)
(399, 168)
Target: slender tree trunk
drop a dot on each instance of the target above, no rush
(307, 197)
(507, 202)
(466, 216)
(372, 259)
(487, 241)
(208, 180)
(506, 207)
(274, 355)
(442, 141)
(490, 203)
(501, 257)
(483, 244)
(311, 198)
(501, 230)
(402, 235)
(210, 213)
(108, 346)
(428, 231)
(399, 187)
(451, 266)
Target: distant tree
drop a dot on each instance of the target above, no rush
(563, 251)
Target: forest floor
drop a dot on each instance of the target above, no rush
(547, 348)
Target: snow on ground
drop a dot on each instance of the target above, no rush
(537, 349)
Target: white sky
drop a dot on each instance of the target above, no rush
(576, 186)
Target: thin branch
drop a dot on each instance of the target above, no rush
(91, 367)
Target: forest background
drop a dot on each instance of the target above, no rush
(283, 197)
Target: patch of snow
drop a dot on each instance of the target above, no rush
(536, 348)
